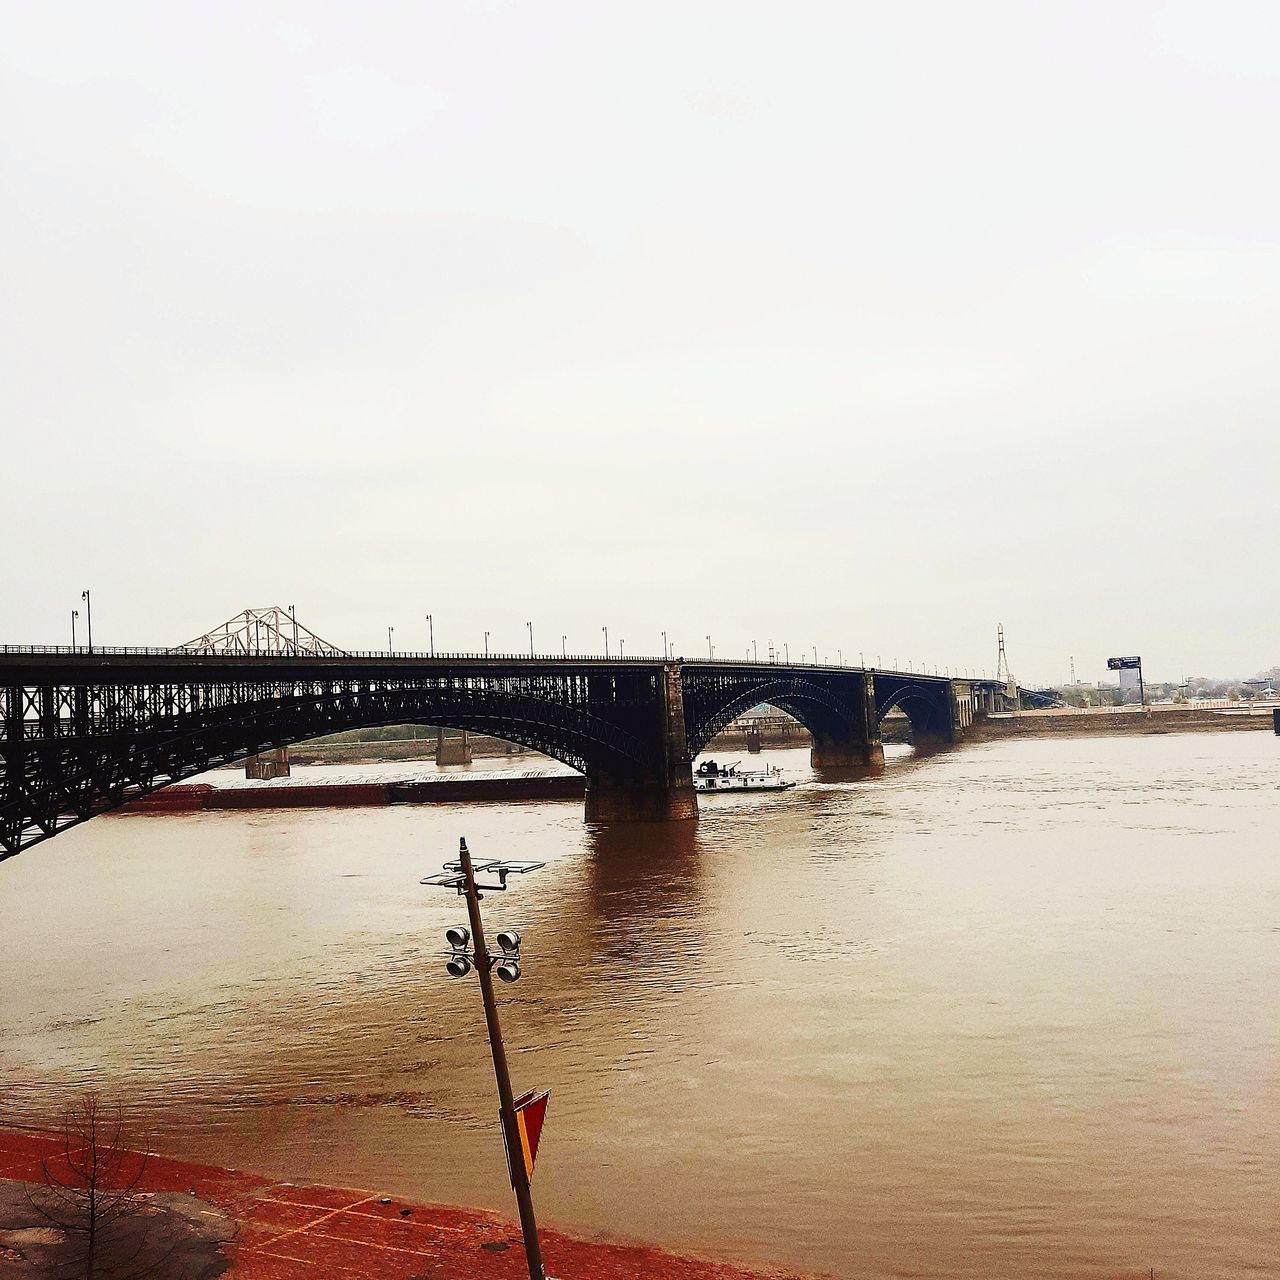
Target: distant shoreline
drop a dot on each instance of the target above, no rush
(1092, 724)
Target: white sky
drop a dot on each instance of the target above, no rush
(861, 325)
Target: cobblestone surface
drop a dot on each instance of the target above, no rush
(288, 1232)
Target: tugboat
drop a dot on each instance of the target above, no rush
(711, 776)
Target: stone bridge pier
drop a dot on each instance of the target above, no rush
(663, 790)
(853, 747)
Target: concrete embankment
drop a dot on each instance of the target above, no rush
(286, 1231)
(1086, 724)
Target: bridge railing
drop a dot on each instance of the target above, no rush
(151, 651)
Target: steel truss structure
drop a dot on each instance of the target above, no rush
(81, 736)
(84, 733)
(274, 630)
(827, 703)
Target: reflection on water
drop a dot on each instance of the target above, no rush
(1014, 1010)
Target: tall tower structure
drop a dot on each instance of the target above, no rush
(1002, 658)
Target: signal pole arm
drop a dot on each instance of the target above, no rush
(510, 1130)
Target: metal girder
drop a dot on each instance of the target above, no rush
(271, 630)
(823, 701)
(81, 736)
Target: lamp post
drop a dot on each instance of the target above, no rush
(486, 644)
(755, 653)
(88, 612)
(431, 634)
(815, 655)
(711, 653)
(389, 631)
(75, 613)
(564, 652)
(664, 646)
(606, 640)
(530, 626)
(620, 644)
(461, 876)
(293, 617)
(786, 649)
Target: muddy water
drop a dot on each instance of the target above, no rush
(1011, 1011)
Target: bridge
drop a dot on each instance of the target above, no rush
(83, 732)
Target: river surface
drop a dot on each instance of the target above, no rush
(1012, 1011)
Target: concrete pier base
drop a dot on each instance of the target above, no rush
(451, 750)
(269, 764)
(845, 757)
(927, 743)
(629, 800)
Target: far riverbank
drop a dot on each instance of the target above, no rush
(1075, 723)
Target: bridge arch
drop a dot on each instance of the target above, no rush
(67, 778)
(713, 701)
(927, 706)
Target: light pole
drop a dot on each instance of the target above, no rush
(530, 626)
(293, 617)
(711, 653)
(431, 634)
(389, 631)
(786, 649)
(486, 644)
(815, 655)
(461, 876)
(564, 652)
(75, 613)
(606, 640)
(755, 653)
(840, 656)
(664, 646)
(88, 612)
(620, 644)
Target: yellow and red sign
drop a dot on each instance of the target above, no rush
(531, 1110)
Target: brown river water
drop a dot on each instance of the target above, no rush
(1012, 1011)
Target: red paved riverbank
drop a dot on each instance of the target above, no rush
(288, 1232)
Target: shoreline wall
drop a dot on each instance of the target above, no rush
(1100, 724)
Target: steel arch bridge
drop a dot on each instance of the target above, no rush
(85, 732)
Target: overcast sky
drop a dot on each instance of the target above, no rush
(862, 325)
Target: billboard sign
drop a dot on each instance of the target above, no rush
(1130, 670)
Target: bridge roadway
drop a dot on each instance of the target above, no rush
(82, 733)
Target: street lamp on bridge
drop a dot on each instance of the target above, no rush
(711, 653)
(664, 646)
(530, 626)
(564, 652)
(431, 635)
(88, 609)
(486, 644)
(389, 631)
(606, 640)
(75, 613)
